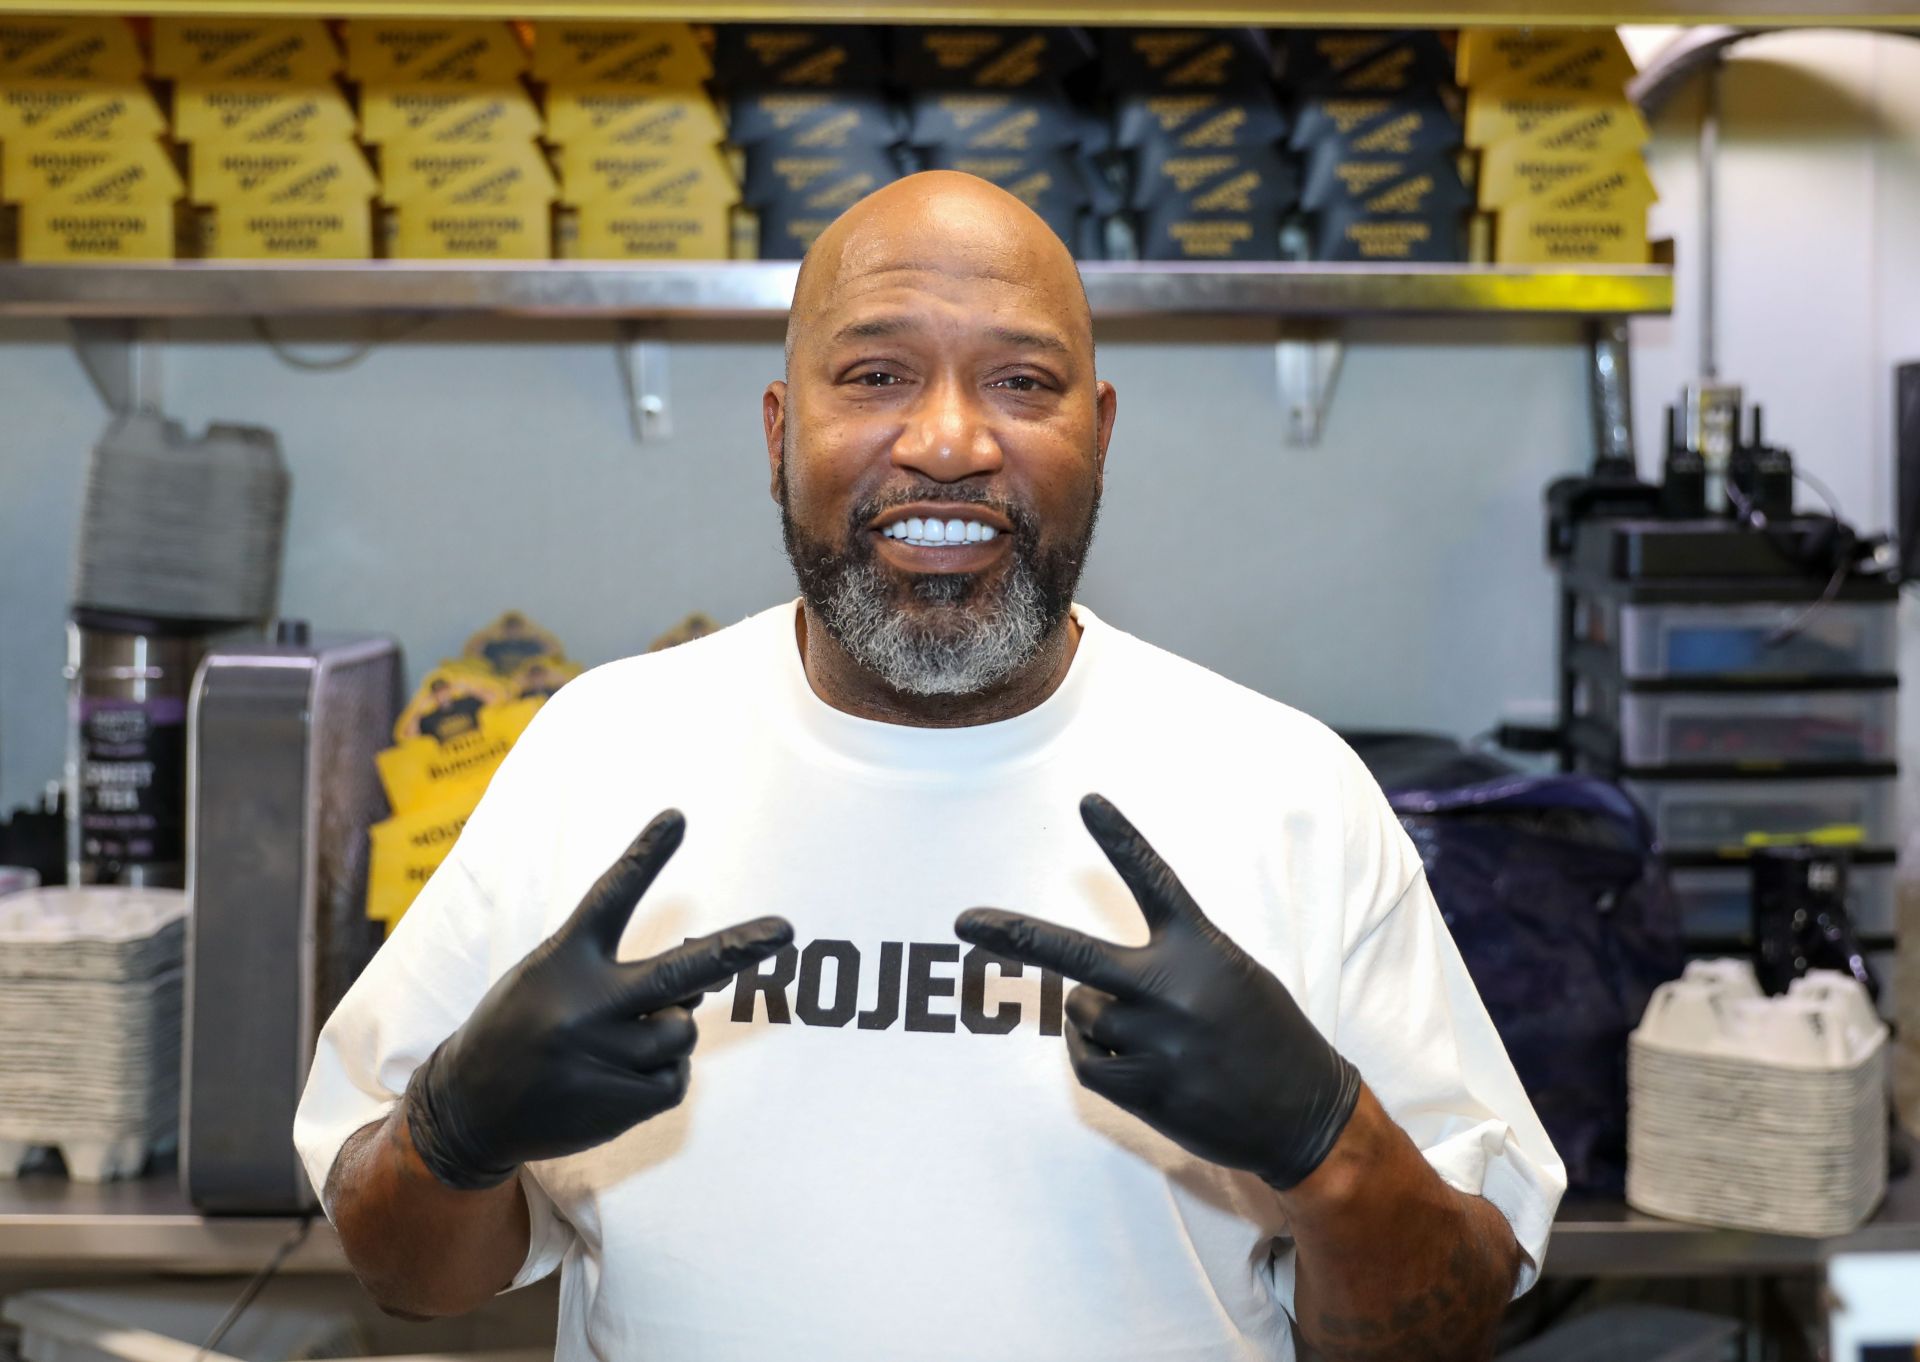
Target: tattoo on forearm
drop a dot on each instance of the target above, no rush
(1453, 1319)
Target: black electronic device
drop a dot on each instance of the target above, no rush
(1906, 443)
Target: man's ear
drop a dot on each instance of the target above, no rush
(1106, 406)
(773, 419)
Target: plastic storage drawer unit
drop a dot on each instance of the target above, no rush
(1717, 901)
(1709, 815)
(1742, 642)
(1763, 729)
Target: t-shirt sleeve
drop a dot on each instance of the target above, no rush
(1411, 1020)
(418, 989)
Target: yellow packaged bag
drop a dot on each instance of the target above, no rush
(420, 772)
(51, 113)
(262, 115)
(445, 52)
(249, 51)
(663, 120)
(67, 49)
(583, 53)
(407, 848)
(281, 176)
(499, 112)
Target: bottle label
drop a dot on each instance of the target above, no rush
(133, 780)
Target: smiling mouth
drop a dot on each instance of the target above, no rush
(927, 532)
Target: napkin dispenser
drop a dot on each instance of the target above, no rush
(281, 789)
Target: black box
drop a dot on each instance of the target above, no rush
(1364, 62)
(1416, 127)
(1186, 59)
(1225, 205)
(1168, 124)
(789, 55)
(972, 58)
(1012, 121)
(826, 120)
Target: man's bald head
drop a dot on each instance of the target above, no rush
(940, 222)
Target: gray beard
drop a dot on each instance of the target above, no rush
(961, 647)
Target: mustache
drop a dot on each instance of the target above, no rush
(1026, 525)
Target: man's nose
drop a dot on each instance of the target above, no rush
(947, 436)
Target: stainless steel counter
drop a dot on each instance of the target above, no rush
(148, 1226)
(143, 1226)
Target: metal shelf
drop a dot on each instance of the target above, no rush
(143, 1225)
(1389, 13)
(743, 289)
(146, 1225)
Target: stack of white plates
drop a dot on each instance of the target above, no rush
(182, 528)
(1754, 1112)
(90, 999)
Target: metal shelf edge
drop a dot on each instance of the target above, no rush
(1404, 13)
(743, 290)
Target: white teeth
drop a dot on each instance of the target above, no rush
(926, 533)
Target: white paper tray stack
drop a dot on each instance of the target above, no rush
(1758, 1113)
(90, 999)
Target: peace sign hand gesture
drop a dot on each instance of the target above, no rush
(1187, 1032)
(572, 1047)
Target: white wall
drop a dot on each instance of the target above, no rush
(1391, 575)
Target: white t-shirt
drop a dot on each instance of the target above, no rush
(884, 1152)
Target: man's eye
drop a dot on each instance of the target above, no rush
(877, 378)
(1021, 383)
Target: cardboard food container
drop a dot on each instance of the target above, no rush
(68, 49)
(807, 56)
(985, 58)
(1166, 124)
(1170, 59)
(136, 170)
(663, 120)
(63, 114)
(328, 173)
(498, 112)
(1361, 62)
(813, 120)
(249, 51)
(511, 228)
(590, 54)
(262, 115)
(455, 53)
(261, 229)
(508, 172)
(1416, 127)
(1598, 220)
(57, 231)
(1592, 64)
(990, 121)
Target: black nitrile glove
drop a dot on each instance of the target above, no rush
(571, 1047)
(1187, 1032)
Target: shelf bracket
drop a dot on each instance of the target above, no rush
(1306, 366)
(643, 376)
(122, 360)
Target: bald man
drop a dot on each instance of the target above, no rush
(1068, 1001)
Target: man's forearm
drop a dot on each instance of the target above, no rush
(1391, 1262)
(419, 1247)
